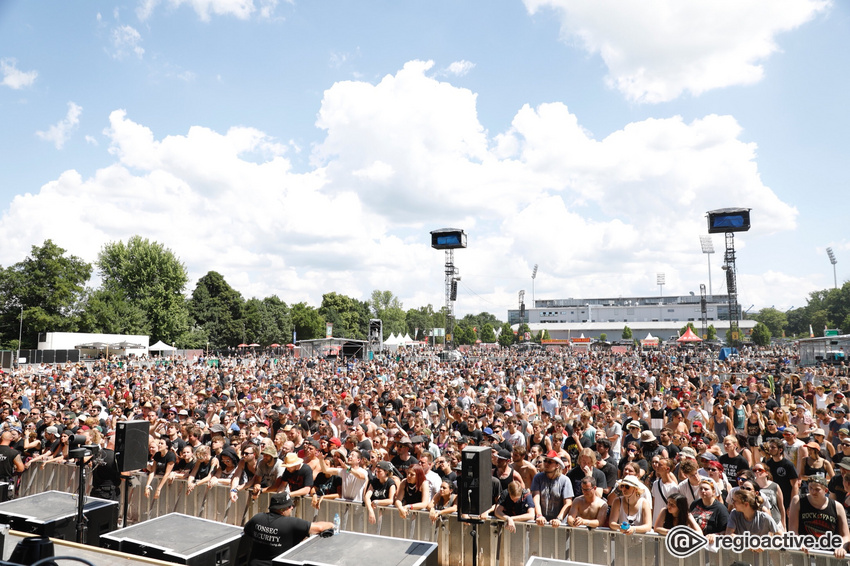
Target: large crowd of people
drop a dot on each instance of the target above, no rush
(635, 441)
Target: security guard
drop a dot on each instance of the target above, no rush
(275, 532)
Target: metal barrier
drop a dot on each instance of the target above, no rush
(496, 545)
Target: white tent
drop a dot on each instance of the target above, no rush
(393, 340)
(406, 339)
(162, 347)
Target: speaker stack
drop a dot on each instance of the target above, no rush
(131, 445)
(474, 485)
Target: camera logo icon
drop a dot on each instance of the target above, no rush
(682, 541)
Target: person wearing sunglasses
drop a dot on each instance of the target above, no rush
(771, 492)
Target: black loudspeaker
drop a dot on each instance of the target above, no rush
(61, 356)
(48, 356)
(131, 445)
(475, 490)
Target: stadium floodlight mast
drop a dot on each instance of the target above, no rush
(707, 248)
(533, 277)
(833, 261)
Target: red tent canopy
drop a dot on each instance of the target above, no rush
(689, 336)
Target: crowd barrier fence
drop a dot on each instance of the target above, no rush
(496, 545)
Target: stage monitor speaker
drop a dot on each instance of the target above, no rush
(475, 490)
(131, 445)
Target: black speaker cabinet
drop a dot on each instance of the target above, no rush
(180, 539)
(131, 445)
(474, 485)
(54, 514)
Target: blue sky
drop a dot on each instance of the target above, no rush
(306, 147)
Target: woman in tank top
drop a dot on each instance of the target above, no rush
(630, 513)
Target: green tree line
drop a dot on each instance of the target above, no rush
(143, 290)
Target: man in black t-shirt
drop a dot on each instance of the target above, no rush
(277, 531)
(783, 471)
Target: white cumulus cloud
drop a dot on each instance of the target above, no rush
(15, 78)
(460, 68)
(656, 50)
(400, 158)
(60, 132)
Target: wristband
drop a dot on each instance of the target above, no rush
(233, 490)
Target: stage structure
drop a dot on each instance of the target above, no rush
(728, 221)
(449, 239)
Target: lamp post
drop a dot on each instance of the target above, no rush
(533, 277)
(708, 249)
(833, 261)
(659, 280)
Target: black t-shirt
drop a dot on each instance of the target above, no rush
(712, 519)
(271, 535)
(577, 474)
(403, 465)
(732, 466)
(513, 508)
(380, 490)
(297, 479)
(161, 461)
(7, 461)
(327, 484)
(784, 473)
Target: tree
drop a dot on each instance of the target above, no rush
(627, 333)
(603, 337)
(217, 308)
(307, 322)
(464, 335)
(107, 311)
(49, 286)
(761, 334)
(421, 321)
(388, 308)
(349, 316)
(506, 337)
(153, 279)
(711, 332)
(775, 320)
(487, 334)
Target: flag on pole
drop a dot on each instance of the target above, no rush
(811, 332)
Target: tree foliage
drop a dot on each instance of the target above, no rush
(761, 334)
(50, 286)
(627, 333)
(487, 334)
(775, 320)
(307, 323)
(151, 278)
(217, 309)
(349, 316)
(506, 337)
(388, 308)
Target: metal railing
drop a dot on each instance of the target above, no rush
(496, 545)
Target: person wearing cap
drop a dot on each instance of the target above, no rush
(501, 460)
(267, 476)
(816, 514)
(630, 513)
(381, 489)
(270, 534)
(551, 491)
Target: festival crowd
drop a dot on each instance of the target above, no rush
(634, 441)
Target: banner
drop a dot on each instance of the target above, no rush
(329, 330)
